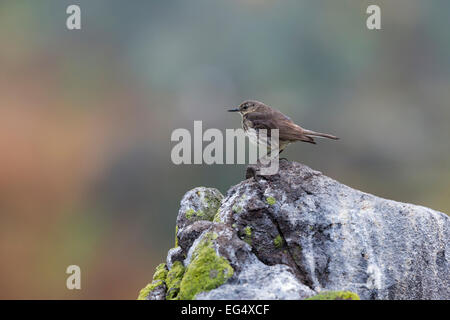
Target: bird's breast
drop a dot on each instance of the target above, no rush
(256, 137)
(246, 124)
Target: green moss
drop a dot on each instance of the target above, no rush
(191, 213)
(173, 280)
(238, 206)
(206, 271)
(213, 236)
(335, 295)
(176, 236)
(271, 200)
(236, 209)
(278, 241)
(217, 217)
(159, 277)
(211, 203)
(200, 214)
(143, 294)
(161, 272)
(248, 235)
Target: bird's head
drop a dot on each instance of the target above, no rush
(249, 106)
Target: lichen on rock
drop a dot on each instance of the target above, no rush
(300, 234)
(160, 272)
(271, 200)
(248, 235)
(217, 217)
(199, 204)
(173, 280)
(206, 271)
(237, 209)
(157, 288)
(335, 295)
(278, 241)
(145, 293)
(176, 236)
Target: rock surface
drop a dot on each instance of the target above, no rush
(298, 233)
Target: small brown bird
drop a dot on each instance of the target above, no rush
(257, 115)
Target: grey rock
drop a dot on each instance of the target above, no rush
(252, 279)
(258, 281)
(337, 238)
(299, 232)
(187, 235)
(174, 254)
(198, 204)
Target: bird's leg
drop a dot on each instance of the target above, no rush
(280, 153)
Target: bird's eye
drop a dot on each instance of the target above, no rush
(245, 106)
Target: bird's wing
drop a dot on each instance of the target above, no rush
(261, 120)
(287, 129)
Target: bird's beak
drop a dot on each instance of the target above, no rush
(234, 110)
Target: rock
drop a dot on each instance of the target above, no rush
(173, 280)
(206, 268)
(299, 234)
(154, 291)
(335, 295)
(174, 254)
(260, 281)
(198, 204)
(189, 234)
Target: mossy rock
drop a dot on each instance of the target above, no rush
(159, 278)
(271, 201)
(199, 204)
(160, 272)
(173, 280)
(335, 295)
(217, 217)
(236, 208)
(248, 235)
(206, 271)
(145, 292)
(278, 241)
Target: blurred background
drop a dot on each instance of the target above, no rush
(86, 117)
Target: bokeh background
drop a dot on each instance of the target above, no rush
(86, 118)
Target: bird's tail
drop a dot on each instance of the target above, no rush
(319, 134)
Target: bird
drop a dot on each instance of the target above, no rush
(256, 115)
